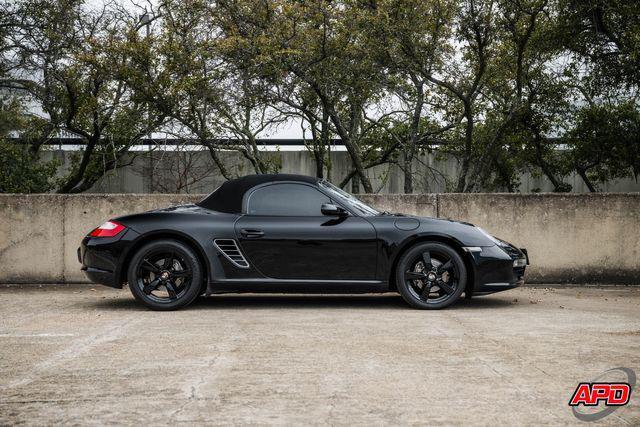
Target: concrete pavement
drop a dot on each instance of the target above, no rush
(91, 355)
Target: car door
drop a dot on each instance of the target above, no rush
(284, 234)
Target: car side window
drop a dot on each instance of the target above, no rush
(286, 200)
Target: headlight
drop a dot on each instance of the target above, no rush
(520, 262)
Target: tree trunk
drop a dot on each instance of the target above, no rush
(89, 181)
(323, 145)
(216, 159)
(410, 150)
(77, 176)
(461, 187)
(408, 171)
(352, 147)
(355, 184)
(558, 185)
(252, 153)
(319, 164)
(318, 145)
(356, 158)
(583, 174)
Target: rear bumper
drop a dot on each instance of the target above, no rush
(101, 277)
(102, 257)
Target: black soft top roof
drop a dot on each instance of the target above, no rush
(228, 197)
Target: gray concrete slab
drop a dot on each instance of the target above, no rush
(91, 355)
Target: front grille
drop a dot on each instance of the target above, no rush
(230, 250)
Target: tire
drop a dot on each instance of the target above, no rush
(165, 275)
(431, 288)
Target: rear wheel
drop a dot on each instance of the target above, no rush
(165, 275)
(431, 276)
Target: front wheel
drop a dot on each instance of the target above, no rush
(165, 275)
(431, 276)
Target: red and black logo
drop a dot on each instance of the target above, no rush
(610, 395)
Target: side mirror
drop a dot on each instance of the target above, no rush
(333, 210)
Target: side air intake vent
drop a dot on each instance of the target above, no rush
(230, 250)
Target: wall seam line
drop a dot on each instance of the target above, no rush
(64, 233)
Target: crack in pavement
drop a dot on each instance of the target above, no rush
(71, 352)
(195, 387)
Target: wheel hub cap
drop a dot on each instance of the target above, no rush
(431, 276)
(164, 276)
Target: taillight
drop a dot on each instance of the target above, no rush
(108, 229)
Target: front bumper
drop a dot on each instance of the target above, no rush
(101, 257)
(496, 268)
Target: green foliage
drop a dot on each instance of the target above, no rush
(605, 35)
(21, 171)
(64, 61)
(503, 86)
(604, 144)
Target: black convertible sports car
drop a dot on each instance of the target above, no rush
(291, 233)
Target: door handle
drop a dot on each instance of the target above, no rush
(251, 234)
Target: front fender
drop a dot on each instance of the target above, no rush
(394, 242)
(463, 233)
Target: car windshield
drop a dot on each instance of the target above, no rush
(348, 199)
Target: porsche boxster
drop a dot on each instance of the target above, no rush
(292, 233)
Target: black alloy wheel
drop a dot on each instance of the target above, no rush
(165, 275)
(431, 276)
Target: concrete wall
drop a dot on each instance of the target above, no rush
(570, 237)
(39, 234)
(579, 238)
